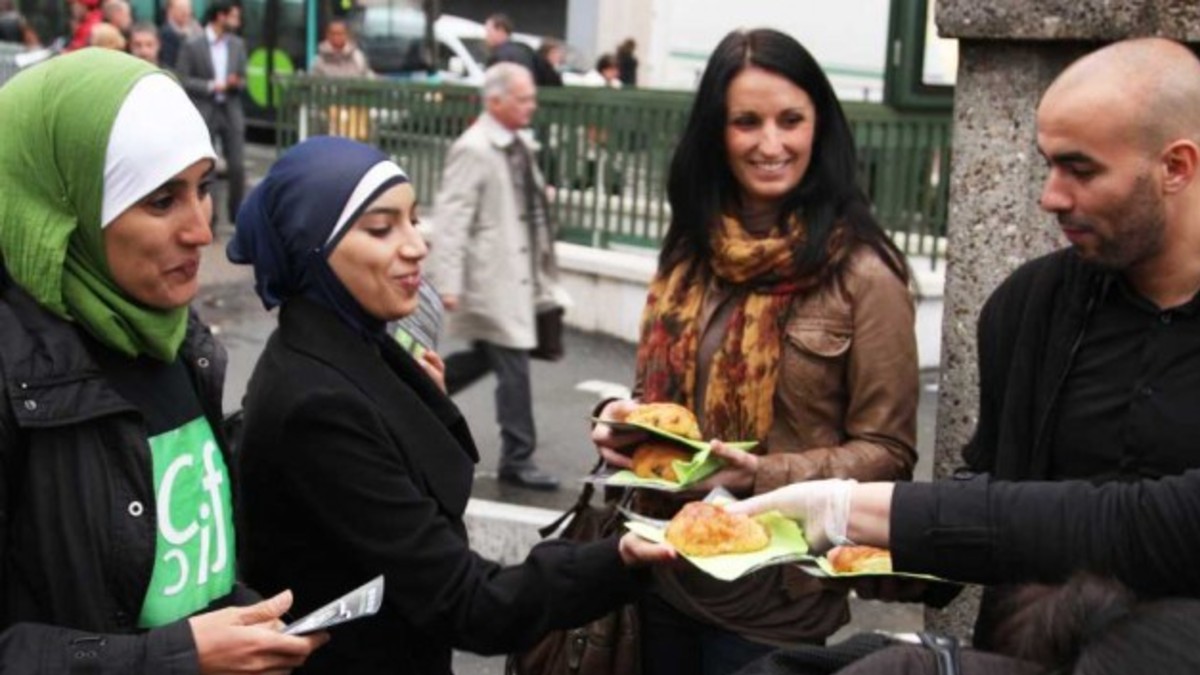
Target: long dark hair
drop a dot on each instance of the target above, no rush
(1093, 625)
(701, 185)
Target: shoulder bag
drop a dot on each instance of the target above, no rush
(607, 646)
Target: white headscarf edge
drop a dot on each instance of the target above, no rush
(157, 133)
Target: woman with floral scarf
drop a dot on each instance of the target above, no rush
(781, 314)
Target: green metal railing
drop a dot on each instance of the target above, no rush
(607, 152)
(904, 167)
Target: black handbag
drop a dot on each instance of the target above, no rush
(607, 646)
(549, 334)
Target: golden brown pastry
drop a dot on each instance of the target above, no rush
(860, 560)
(655, 459)
(701, 529)
(670, 417)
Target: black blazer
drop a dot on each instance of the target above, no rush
(1028, 335)
(355, 464)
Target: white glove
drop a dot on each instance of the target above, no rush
(822, 507)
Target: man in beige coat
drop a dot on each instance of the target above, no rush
(493, 261)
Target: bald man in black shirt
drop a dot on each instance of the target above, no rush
(1089, 357)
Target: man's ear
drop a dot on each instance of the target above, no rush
(1180, 161)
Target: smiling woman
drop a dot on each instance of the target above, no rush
(780, 313)
(769, 138)
(111, 388)
(379, 258)
(153, 248)
(355, 461)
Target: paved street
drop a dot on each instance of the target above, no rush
(228, 303)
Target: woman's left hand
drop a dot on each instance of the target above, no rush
(738, 475)
(435, 366)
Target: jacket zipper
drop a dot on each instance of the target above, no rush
(1039, 440)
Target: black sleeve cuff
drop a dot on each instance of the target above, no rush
(942, 528)
(596, 578)
(171, 650)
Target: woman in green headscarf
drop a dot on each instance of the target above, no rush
(117, 543)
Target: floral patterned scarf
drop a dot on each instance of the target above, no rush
(739, 396)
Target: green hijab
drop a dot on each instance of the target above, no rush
(57, 117)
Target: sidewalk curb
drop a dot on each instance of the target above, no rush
(505, 532)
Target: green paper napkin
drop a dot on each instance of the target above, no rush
(690, 472)
(787, 546)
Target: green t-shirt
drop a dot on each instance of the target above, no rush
(195, 551)
(194, 555)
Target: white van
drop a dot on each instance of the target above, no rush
(393, 39)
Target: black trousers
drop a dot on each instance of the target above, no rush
(514, 396)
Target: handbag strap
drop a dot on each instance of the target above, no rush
(584, 501)
(945, 652)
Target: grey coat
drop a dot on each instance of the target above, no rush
(482, 250)
(195, 69)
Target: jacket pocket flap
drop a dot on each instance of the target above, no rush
(820, 339)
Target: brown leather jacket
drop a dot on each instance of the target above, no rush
(846, 402)
(845, 407)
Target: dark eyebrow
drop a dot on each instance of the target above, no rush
(385, 210)
(1071, 157)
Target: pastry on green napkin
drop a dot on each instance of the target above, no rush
(786, 545)
(700, 466)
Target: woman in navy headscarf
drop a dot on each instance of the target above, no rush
(354, 461)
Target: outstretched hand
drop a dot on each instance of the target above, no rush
(636, 551)
(248, 639)
(822, 507)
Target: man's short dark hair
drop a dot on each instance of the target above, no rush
(219, 8)
(143, 27)
(502, 22)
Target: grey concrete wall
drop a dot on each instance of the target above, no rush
(1057, 20)
(1010, 50)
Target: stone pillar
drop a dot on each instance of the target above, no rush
(1009, 52)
